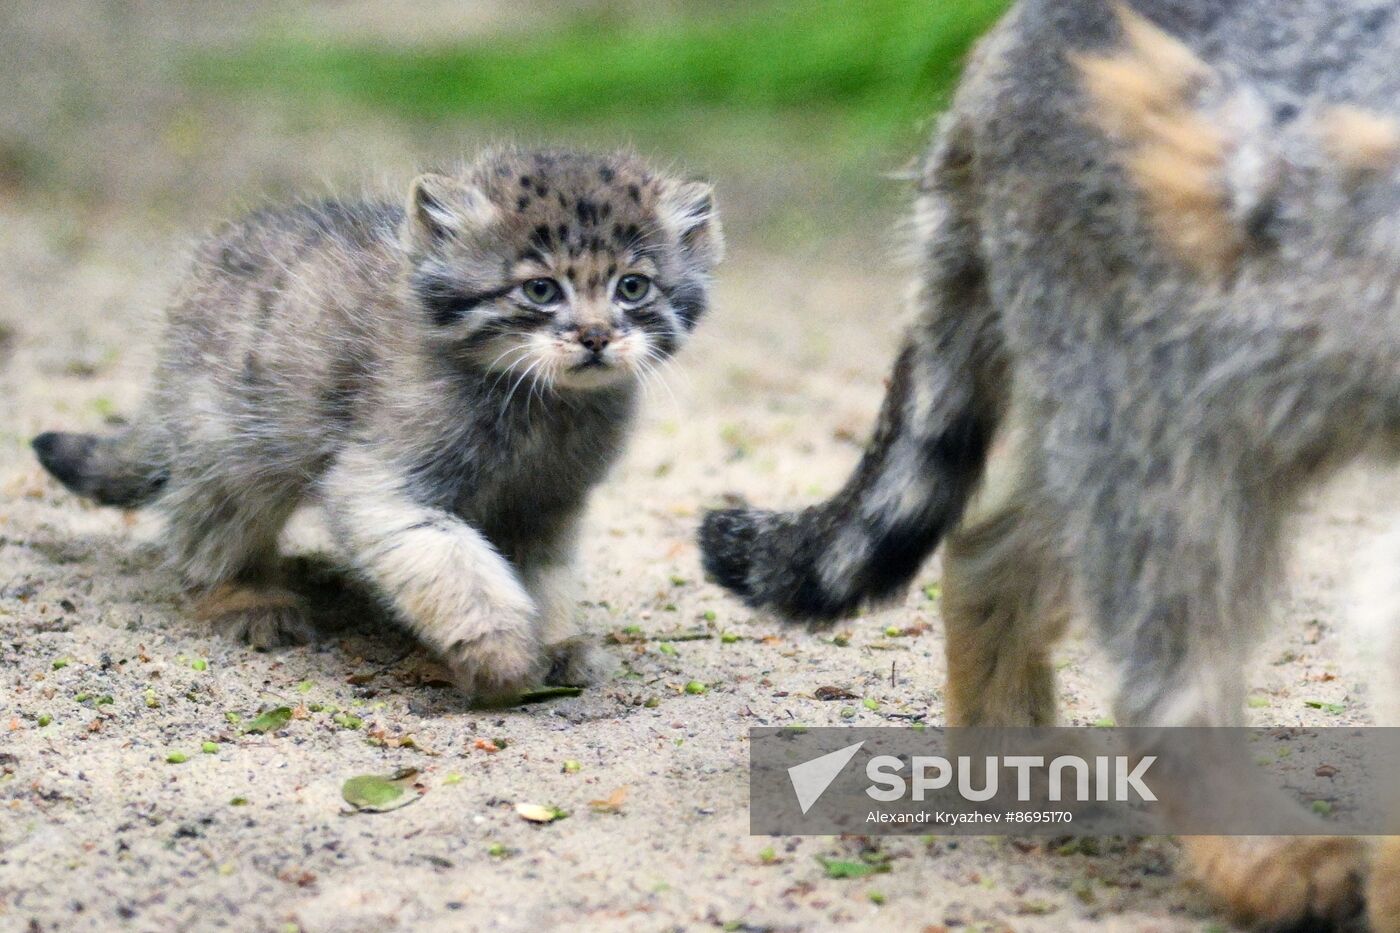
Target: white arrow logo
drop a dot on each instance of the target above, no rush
(811, 778)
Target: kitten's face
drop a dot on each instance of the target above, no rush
(568, 270)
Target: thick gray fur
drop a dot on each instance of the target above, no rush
(384, 361)
(1179, 403)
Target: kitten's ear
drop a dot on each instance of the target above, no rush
(687, 209)
(440, 207)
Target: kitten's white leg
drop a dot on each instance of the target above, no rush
(573, 658)
(443, 578)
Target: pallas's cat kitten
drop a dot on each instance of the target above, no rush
(448, 377)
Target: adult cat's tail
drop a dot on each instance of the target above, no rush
(926, 459)
(123, 469)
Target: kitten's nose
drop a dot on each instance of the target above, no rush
(595, 337)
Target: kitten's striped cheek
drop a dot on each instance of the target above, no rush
(690, 301)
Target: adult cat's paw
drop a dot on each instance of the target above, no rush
(1294, 882)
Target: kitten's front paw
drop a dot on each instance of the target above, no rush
(578, 663)
(495, 666)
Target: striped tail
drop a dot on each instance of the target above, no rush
(927, 456)
(864, 544)
(121, 470)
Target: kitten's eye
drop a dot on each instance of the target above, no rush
(541, 291)
(633, 287)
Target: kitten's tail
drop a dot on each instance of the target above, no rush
(124, 469)
(927, 456)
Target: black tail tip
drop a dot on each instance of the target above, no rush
(726, 548)
(64, 455)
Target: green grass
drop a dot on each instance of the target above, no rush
(877, 67)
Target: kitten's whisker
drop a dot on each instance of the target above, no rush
(650, 360)
(506, 404)
(510, 368)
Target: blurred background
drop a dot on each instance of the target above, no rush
(182, 112)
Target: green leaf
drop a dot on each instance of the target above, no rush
(270, 721)
(545, 694)
(843, 868)
(372, 793)
(177, 758)
(542, 695)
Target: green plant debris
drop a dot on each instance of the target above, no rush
(846, 868)
(571, 767)
(709, 615)
(1257, 702)
(231, 717)
(538, 813)
(104, 700)
(768, 855)
(210, 748)
(372, 793)
(1104, 722)
(305, 686)
(893, 631)
(870, 703)
(199, 664)
(347, 721)
(60, 663)
(177, 758)
(152, 701)
(1321, 807)
(452, 777)
(728, 638)
(876, 898)
(695, 688)
(678, 580)
(270, 721)
(651, 703)
(498, 850)
(44, 719)
(933, 592)
(667, 649)
(544, 694)
(848, 712)
(1335, 709)
(841, 641)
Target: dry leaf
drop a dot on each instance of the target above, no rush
(613, 803)
(537, 813)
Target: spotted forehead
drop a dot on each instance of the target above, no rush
(571, 206)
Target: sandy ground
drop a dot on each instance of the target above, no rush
(104, 674)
